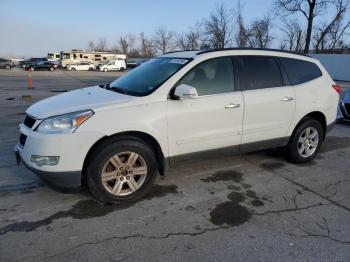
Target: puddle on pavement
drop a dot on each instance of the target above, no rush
(333, 143)
(224, 175)
(271, 166)
(229, 213)
(85, 209)
(20, 187)
(236, 197)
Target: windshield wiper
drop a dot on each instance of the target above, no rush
(118, 90)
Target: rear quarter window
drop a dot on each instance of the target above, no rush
(257, 72)
(299, 71)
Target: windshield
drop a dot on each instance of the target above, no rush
(146, 78)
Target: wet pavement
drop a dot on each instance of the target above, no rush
(252, 207)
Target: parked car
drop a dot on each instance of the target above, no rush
(117, 137)
(81, 66)
(135, 63)
(6, 63)
(43, 65)
(345, 105)
(113, 65)
(32, 61)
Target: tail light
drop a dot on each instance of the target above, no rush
(337, 88)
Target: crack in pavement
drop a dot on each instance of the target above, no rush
(324, 227)
(316, 193)
(181, 233)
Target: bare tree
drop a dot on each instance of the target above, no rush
(147, 49)
(308, 8)
(259, 33)
(218, 28)
(164, 40)
(101, 44)
(91, 46)
(293, 38)
(123, 45)
(189, 40)
(242, 33)
(329, 36)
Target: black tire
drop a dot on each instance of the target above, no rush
(103, 153)
(292, 152)
(51, 69)
(105, 70)
(73, 69)
(7, 67)
(91, 69)
(122, 69)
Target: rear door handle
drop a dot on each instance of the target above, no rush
(232, 106)
(287, 98)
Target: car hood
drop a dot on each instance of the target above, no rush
(77, 100)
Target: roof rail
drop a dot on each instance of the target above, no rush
(180, 51)
(257, 49)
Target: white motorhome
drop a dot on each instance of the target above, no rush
(95, 57)
(53, 56)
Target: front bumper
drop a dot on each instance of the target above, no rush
(59, 179)
(71, 149)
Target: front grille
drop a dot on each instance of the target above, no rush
(347, 108)
(29, 121)
(22, 140)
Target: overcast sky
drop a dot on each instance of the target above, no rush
(33, 28)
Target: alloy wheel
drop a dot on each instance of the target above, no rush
(308, 142)
(124, 173)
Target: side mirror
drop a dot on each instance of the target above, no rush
(185, 92)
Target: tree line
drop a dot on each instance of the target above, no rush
(226, 27)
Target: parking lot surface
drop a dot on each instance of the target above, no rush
(252, 207)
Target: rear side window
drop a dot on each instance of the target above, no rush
(214, 76)
(257, 72)
(300, 71)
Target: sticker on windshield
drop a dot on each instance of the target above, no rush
(178, 61)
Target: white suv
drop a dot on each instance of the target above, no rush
(116, 137)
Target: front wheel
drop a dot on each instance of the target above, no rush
(7, 67)
(105, 70)
(51, 69)
(305, 141)
(122, 170)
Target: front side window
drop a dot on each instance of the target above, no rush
(214, 76)
(257, 72)
(145, 79)
(300, 71)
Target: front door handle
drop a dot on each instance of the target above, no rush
(287, 98)
(232, 106)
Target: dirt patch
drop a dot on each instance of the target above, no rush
(229, 213)
(224, 175)
(84, 209)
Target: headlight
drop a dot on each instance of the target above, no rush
(67, 123)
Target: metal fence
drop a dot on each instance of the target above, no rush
(338, 66)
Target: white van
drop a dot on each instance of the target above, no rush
(114, 65)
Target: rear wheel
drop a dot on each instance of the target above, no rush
(51, 69)
(7, 67)
(305, 141)
(121, 171)
(91, 69)
(122, 69)
(73, 69)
